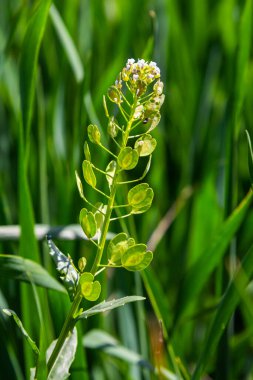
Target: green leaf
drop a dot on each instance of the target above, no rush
(90, 289)
(145, 145)
(200, 271)
(32, 344)
(109, 305)
(29, 59)
(28, 247)
(117, 246)
(128, 158)
(110, 170)
(94, 134)
(68, 44)
(87, 151)
(88, 173)
(243, 59)
(99, 339)
(60, 369)
(88, 222)
(136, 258)
(229, 302)
(140, 198)
(18, 268)
(250, 156)
(69, 275)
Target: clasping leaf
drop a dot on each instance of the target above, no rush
(69, 275)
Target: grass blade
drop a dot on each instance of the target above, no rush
(68, 44)
(227, 306)
(17, 268)
(200, 271)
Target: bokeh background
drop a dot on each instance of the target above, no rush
(199, 170)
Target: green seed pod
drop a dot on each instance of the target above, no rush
(88, 173)
(94, 134)
(136, 258)
(90, 289)
(140, 198)
(117, 246)
(114, 95)
(110, 170)
(145, 145)
(128, 158)
(88, 222)
(82, 263)
(113, 127)
(87, 151)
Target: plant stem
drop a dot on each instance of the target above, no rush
(66, 329)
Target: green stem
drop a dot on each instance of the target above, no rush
(66, 329)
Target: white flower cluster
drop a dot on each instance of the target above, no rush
(140, 71)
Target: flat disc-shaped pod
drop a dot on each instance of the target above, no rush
(117, 247)
(90, 289)
(114, 95)
(88, 173)
(145, 145)
(128, 158)
(94, 134)
(99, 214)
(113, 127)
(110, 171)
(79, 185)
(87, 151)
(140, 197)
(136, 257)
(88, 222)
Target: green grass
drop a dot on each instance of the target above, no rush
(55, 66)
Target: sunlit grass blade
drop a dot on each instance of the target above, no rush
(17, 268)
(200, 271)
(28, 244)
(227, 306)
(68, 44)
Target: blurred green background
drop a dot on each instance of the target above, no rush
(199, 170)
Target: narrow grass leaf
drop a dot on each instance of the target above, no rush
(12, 314)
(27, 77)
(227, 306)
(109, 305)
(244, 47)
(99, 339)
(17, 268)
(200, 271)
(68, 44)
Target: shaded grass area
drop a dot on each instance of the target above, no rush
(52, 81)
